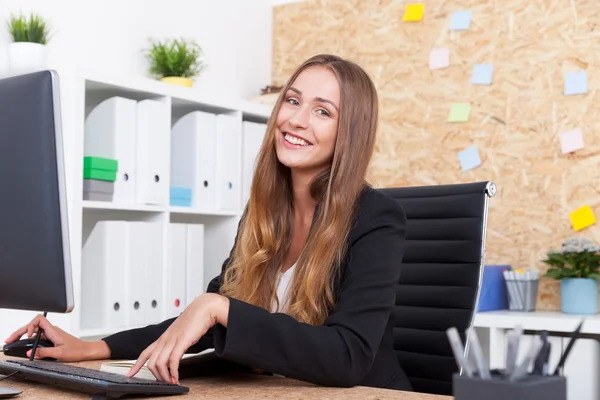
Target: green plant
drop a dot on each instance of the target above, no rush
(175, 57)
(33, 29)
(577, 258)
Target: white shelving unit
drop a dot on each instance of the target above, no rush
(80, 93)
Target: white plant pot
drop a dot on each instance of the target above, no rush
(26, 57)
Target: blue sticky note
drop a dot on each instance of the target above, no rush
(482, 74)
(576, 83)
(460, 20)
(469, 158)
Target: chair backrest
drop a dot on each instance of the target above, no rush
(440, 277)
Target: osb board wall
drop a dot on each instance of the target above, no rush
(515, 122)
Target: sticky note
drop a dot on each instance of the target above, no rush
(469, 158)
(413, 12)
(482, 74)
(571, 141)
(459, 112)
(576, 83)
(439, 58)
(460, 20)
(582, 218)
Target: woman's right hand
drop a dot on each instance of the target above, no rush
(66, 347)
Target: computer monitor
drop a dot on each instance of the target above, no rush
(35, 263)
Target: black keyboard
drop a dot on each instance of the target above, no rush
(86, 380)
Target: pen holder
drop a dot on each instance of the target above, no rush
(530, 387)
(522, 294)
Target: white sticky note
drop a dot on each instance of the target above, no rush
(460, 20)
(482, 74)
(439, 58)
(469, 158)
(571, 141)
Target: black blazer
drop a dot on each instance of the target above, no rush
(354, 346)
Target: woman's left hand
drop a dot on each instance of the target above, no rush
(164, 354)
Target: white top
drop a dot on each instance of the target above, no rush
(283, 286)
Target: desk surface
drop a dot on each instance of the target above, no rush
(245, 387)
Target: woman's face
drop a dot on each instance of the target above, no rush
(307, 122)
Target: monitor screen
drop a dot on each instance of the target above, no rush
(35, 269)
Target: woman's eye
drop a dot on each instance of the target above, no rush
(292, 101)
(323, 112)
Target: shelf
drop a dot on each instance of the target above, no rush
(191, 211)
(253, 109)
(106, 205)
(537, 320)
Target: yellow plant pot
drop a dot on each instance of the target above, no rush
(178, 80)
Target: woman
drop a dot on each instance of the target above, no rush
(309, 287)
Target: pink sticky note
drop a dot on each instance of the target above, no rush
(571, 141)
(439, 58)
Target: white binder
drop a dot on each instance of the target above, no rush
(110, 132)
(193, 146)
(154, 297)
(175, 301)
(137, 242)
(253, 134)
(194, 262)
(153, 149)
(228, 164)
(104, 286)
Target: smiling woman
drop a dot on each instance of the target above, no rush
(309, 287)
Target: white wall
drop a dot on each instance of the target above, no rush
(108, 36)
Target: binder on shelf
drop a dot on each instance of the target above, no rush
(103, 287)
(110, 132)
(193, 146)
(152, 157)
(154, 297)
(100, 168)
(228, 165)
(253, 134)
(144, 273)
(181, 197)
(194, 261)
(175, 301)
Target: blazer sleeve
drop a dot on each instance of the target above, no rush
(129, 344)
(341, 351)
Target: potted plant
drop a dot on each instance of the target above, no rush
(576, 264)
(27, 52)
(175, 61)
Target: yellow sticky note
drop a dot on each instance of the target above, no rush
(582, 218)
(413, 12)
(459, 112)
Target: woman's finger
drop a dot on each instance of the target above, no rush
(176, 355)
(162, 360)
(144, 356)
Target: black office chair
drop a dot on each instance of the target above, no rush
(440, 277)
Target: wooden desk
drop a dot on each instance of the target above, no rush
(242, 387)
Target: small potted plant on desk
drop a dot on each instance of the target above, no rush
(175, 61)
(576, 265)
(27, 52)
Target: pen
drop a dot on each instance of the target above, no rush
(484, 372)
(563, 358)
(540, 366)
(459, 351)
(514, 339)
(521, 370)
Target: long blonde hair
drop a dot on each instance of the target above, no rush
(265, 232)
